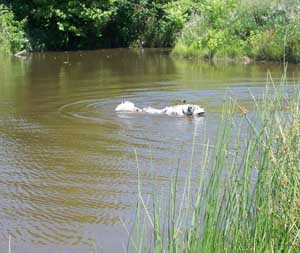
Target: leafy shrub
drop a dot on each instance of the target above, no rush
(61, 25)
(144, 24)
(263, 30)
(74, 24)
(209, 31)
(293, 36)
(267, 45)
(12, 35)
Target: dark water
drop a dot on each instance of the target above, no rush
(67, 160)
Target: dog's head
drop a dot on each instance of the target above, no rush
(198, 111)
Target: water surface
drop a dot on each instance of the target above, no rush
(67, 160)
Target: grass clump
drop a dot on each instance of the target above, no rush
(246, 197)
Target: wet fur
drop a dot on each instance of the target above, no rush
(176, 110)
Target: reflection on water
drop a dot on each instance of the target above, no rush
(67, 162)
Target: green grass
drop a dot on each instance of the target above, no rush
(246, 195)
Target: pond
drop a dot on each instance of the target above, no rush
(68, 161)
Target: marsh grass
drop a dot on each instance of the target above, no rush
(246, 195)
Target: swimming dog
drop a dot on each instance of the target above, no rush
(177, 110)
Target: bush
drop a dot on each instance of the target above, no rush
(210, 30)
(61, 25)
(12, 35)
(267, 45)
(263, 31)
(144, 24)
(65, 25)
(293, 37)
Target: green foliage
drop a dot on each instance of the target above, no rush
(262, 30)
(74, 24)
(61, 25)
(146, 23)
(267, 45)
(12, 35)
(267, 30)
(211, 31)
(292, 42)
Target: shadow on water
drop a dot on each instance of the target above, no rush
(67, 162)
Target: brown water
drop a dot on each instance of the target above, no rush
(67, 161)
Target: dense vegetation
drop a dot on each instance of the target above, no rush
(244, 197)
(12, 35)
(74, 24)
(263, 30)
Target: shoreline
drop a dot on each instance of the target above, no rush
(216, 59)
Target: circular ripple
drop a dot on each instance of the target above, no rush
(91, 110)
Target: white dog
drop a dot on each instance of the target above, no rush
(177, 110)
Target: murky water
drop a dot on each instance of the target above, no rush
(67, 160)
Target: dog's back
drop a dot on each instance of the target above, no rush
(176, 110)
(127, 106)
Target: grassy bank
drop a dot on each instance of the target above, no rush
(246, 196)
(262, 30)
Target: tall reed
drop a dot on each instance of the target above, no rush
(246, 197)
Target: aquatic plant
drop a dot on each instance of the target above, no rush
(246, 195)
